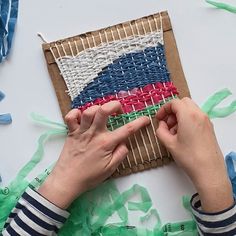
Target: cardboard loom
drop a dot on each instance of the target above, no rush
(173, 64)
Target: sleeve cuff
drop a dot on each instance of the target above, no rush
(222, 222)
(45, 206)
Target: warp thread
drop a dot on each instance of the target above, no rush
(81, 69)
(8, 17)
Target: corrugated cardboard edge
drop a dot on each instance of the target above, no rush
(173, 63)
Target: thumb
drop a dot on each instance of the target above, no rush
(164, 134)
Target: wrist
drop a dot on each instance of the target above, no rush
(215, 194)
(57, 192)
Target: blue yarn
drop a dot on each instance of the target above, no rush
(2, 96)
(11, 23)
(5, 119)
(127, 72)
(7, 25)
(230, 160)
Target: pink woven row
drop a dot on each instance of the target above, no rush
(138, 98)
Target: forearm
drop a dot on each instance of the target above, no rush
(34, 215)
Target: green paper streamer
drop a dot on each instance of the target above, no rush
(152, 213)
(222, 5)
(209, 107)
(10, 195)
(224, 111)
(181, 228)
(186, 203)
(91, 211)
(39, 119)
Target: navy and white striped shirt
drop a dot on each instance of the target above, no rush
(219, 224)
(34, 215)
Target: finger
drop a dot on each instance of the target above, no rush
(118, 156)
(171, 107)
(171, 121)
(121, 134)
(87, 118)
(104, 111)
(174, 129)
(164, 134)
(72, 119)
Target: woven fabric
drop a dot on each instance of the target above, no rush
(125, 63)
(119, 120)
(129, 71)
(81, 69)
(138, 98)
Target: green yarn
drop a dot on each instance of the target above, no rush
(118, 121)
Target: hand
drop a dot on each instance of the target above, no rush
(90, 155)
(189, 136)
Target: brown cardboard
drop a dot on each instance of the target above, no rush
(94, 38)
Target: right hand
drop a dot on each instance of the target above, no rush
(189, 136)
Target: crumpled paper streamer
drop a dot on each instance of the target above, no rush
(210, 106)
(91, 211)
(222, 5)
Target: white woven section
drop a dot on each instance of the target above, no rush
(80, 70)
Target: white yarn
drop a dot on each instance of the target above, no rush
(78, 71)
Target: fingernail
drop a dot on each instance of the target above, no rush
(148, 119)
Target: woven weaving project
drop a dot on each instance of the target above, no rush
(136, 63)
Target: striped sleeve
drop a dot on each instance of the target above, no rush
(218, 224)
(34, 215)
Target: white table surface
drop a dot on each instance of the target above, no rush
(206, 39)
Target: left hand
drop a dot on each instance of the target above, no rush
(189, 136)
(91, 153)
